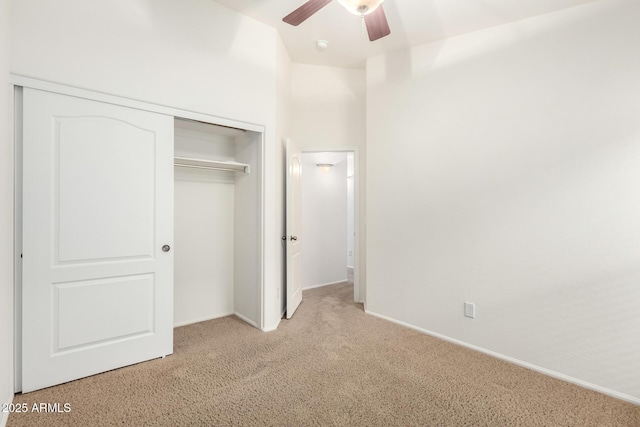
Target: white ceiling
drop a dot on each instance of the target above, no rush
(412, 22)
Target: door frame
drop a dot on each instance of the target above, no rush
(359, 285)
(17, 83)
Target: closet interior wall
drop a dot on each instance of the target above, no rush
(217, 225)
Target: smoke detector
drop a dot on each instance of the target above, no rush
(322, 45)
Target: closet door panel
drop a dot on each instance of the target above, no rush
(98, 208)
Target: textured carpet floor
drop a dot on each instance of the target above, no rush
(330, 365)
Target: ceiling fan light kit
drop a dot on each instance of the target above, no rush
(370, 10)
(360, 7)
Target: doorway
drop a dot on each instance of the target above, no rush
(329, 219)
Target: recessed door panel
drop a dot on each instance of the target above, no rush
(108, 223)
(97, 289)
(97, 312)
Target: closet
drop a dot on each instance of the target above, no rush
(131, 219)
(216, 222)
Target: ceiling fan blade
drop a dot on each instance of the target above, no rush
(377, 25)
(299, 15)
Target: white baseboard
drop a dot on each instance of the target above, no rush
(202, 319)
(324, 284)
(545, 371)
(246, 319)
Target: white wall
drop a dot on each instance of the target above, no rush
(6, 218)
(328, 111)
(328, 108)
(507, 162)
(248, 230)
(194, 55)
(203, 260)
(324, 220)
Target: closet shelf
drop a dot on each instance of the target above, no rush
(187, 162)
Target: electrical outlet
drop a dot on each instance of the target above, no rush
(470, 310)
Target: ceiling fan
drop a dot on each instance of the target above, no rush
(370, 10)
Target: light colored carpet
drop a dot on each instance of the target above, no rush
(331, 365)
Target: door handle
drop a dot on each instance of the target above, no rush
(294, 238)
(166, 248)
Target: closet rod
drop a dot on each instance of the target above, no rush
(188, 162)
(217, 168)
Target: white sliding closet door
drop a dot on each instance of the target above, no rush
(98, 209)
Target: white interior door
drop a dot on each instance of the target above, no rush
(294, 221)
(98, 209)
